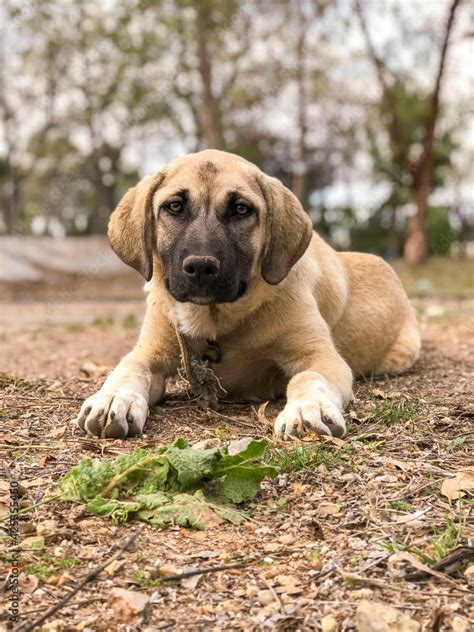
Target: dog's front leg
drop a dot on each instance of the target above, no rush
(319, 389)
(120, 408)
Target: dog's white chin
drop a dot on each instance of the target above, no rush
(200, 300)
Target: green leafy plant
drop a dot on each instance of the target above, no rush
(170, 484)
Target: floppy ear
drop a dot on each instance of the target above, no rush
(288, 230)
(131, 226)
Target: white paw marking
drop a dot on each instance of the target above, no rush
(320, 411)
(114, 415)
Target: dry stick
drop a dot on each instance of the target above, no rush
(225, 567)
(89, 577)
(209, 569)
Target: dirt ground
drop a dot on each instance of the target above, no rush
(385, 516)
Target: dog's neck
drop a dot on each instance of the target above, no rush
(213, 321)
(196, 321)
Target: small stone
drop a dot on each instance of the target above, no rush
(287, 580)
(362, 593)
(265, 597)
(271, 547)
(316, 563)
(329, 624)
(469, 575)
(286, 539)
(459, 624)
(57, 625)
(168, 569)
(374, 616)
(128, 604)
(270, 573)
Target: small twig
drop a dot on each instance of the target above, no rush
(239, 422)
(369, 581)
(416, 490)
(448, 565)
(210, 569)
(45, 501)
(89, 577)
(273, 591)
(225, 567)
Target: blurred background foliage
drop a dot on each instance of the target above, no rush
(332, 96)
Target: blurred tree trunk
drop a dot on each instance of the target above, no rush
(11, 177)
(300, 169)
(416, 245)
(211, 123)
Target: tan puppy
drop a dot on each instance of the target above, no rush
(231, 256)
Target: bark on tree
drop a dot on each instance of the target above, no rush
(211, 124)
(416, 244)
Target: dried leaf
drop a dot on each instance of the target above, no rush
(114, 567)
(47, 528)
(454, 488)
(376, 392)
(327, 509)
(34, 542)
(287, 580)
(28, 583)
(336, 440)
(190, 583)
(412, 519)
(261, 414)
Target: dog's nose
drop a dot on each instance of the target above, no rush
(201, 267)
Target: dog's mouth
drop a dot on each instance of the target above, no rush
(218, 296)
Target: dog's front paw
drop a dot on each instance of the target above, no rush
(322, 416)
(113, 415)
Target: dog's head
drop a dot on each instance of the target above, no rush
(215, 221)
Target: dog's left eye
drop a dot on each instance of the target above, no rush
(241, 210)
(175, 207)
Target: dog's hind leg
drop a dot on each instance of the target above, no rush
(403, 352)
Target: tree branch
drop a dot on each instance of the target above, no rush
(394, 127)
(428, 143)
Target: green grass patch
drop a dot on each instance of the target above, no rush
(302, 456)
(445, 540)
(75, 327)
(17, 382)
(439, 276)
(400, 505)
(455, 444)
(140, 577)
(103, 322)
(391, 411)
(50, 565)
(130, 322)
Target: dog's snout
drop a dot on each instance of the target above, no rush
(201, 267)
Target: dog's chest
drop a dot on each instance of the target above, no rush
(242, 371)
